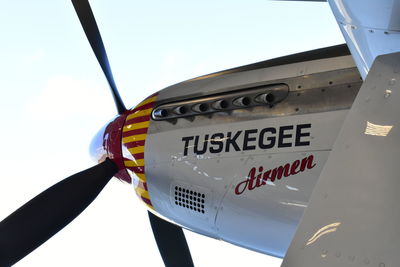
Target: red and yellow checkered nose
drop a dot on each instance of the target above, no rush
(134, 135)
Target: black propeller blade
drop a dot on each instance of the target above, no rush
(171, 243)
(46, 214)
(92, 32)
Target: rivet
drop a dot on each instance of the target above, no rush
(388, 92)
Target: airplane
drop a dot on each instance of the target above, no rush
(269, 93)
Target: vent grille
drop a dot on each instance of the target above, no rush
(190, 199)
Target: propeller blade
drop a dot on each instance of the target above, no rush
(92, 32)
(171, 243)
(46, 214)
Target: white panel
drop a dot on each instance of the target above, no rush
(353, 217)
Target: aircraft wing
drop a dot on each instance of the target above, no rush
(353, 218)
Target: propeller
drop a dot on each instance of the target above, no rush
(171, 243)
(46, 214)
(92, 32)
(50, 211)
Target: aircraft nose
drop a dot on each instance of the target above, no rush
(107, 144)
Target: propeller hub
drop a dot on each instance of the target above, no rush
(107, 144)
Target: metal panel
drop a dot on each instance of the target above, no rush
(353, 217)
(217, 175)
(371, 28)
(254, 78)
(313, 93)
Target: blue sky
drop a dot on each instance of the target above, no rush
(55, 98)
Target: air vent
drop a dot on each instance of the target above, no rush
(190, 199)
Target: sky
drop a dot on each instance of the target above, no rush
(54, 99)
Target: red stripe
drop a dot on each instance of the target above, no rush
(142, 185)
(138, 119)
(145, 186)
(134, 132)
(134, 144)
(147, 201)
(138, 156)
(136, 169)
(145, 106)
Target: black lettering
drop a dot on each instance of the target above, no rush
(282, 136)
(219, 143)
(300, 134)
(232, 141)
(247, 139)
(196, 149)
(271, 139)
(186, 140)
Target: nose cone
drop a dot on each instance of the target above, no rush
(97, 149)
(107, 144)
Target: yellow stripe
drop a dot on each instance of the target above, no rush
(137, 149)
(150, 206)
(141, 176)
(143, 193)
(149, 100)
(139, 113)
(134, 138)
(135, 126)
(134, 163)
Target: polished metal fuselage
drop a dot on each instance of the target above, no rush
(245, 175)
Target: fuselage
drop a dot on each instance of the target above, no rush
(235, 155)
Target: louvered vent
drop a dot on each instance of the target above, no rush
(190, 199)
